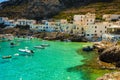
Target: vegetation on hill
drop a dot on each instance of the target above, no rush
(57, 9)
(99, 8)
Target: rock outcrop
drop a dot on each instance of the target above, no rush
(110, 76)
(60, 36)
(111, 55)
(108, 52)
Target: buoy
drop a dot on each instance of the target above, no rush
(16, 54)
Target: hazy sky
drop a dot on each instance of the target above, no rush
(2, 0)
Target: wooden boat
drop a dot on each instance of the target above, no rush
(6, 57)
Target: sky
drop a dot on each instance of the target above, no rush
(2, 0)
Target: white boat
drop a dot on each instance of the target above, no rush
(26, 50)
(45, 45)
(39, 47)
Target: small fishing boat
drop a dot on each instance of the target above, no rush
(26, 50)
(6, 57)
(67, 40)
(39, 47)
(44, 45)
(88, 48)
(12, 44)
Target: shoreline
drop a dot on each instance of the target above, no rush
(91, 68)
(90, 65)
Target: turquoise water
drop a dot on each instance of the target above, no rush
(50, 63)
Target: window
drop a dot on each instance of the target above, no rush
(100, 31)
(87, 34)
(105, 27)
(95, 34)
(74, 27)
(95, 31)
(95, 26)
(82, 29)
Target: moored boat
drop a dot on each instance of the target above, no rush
(44, 45)
(39, 47)
(88, 48)
(26, 50)
(6, 57)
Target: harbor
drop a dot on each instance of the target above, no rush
(50, 63)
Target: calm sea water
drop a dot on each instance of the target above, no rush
(50, 63)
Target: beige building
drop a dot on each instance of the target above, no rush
(84, 19)
(113, 33)
(96, 30)
(111, 17)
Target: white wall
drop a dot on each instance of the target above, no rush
(97, 29)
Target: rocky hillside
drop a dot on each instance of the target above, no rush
(42, 9)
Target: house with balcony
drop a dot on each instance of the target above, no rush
(84, 19)
(25, 22)
(111, 17)
(95, 31)
(37, 28)
(10, 23)
(113, 33)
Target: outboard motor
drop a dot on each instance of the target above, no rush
(32, 51)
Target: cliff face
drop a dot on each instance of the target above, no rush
(39, 9)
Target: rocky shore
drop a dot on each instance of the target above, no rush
(109, 58)
(110, 76)
(60, 36)
(104, 59)
(44, 35)
(109, 53)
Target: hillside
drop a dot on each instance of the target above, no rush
(57, 9)
(99, 8)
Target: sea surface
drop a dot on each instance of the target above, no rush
(50, 63)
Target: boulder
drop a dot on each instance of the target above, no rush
(110, 55)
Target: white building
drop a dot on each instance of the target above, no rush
(47, 27)
(84, 19)
(3, 19)
(25, 22)
(10, 23)
(96, 30)
(110, 17)
(113, 33)
(52, 26)
(37, 28)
